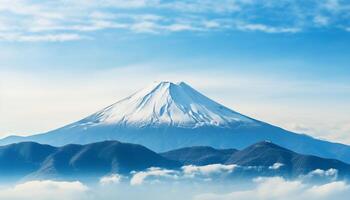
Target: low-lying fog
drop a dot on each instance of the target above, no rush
(211, 182)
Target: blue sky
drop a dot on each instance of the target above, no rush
(284, 62)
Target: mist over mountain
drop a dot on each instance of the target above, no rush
(166, 116)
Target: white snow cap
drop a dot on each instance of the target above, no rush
(167, 103)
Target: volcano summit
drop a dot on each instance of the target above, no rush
(166, 104)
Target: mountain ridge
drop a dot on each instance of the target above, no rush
(92, 161)
(30, 159)
(262, 154)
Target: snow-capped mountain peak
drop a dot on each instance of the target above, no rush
(166, 103)
(166, 116)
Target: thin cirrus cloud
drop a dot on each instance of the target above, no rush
(30, 21)
(44, 37)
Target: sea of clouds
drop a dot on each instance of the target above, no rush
(190, 182)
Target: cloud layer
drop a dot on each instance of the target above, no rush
(212, 172)
(177, 188)
(46, 189)
(61, 20)
(279, 188)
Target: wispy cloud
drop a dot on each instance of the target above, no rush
(321, 20)
(267, 29)
(60, 37)
(205, 6)
(74, 20)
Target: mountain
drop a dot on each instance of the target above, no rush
(165, 116)
(265, 156)
(23, 158)
(91, 161)
(96, 159)
(166, 104)
(199, 155)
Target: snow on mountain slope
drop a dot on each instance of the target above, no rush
(166, 116)
(169, 104)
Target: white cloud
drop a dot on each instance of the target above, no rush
(192, 170)
(276, 166)
(139, 178)
(272, 188)
(41, 37)
(111, 179)
(46, 189)
(334, 129)
(129, 3)
(333, 190)
(279, 188)
(145, 27)
(212, 24)
(22, 17)
(267, 29)
(181, 27)
(319, 174)
(188, 172)
(332, 5)
(219, 6)
(199, 173)
(321, 20)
